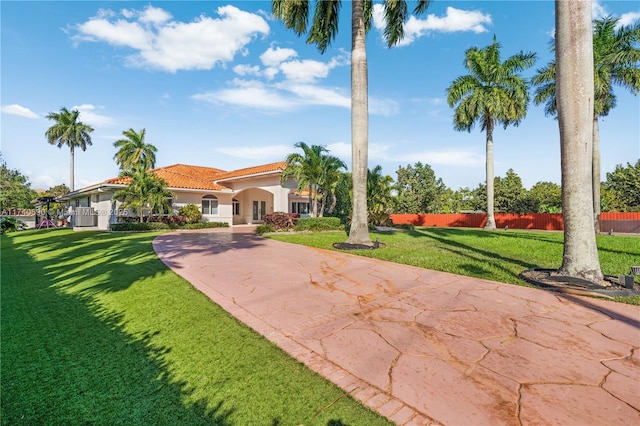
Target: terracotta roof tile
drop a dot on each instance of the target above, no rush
(181, 176)
(250, 171)
(190, 177)
(199, 177)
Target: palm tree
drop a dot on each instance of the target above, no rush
(494, 92)
(574, 99)
(332, 173)
(379, 197)
(324, 27)
(315, 171)
(68, 131)
(134, 152)
(616, 60)
(145, 190)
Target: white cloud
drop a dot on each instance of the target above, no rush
(273, 57)
(89, 115)
(261, 152)
(154, 15)
(245, 93)
(243, 69)
(598, 10)
(169, 45)
(308, 94)
(306, 70)
(455, 20)
(298, 87)
(629, 18)
(15, 109)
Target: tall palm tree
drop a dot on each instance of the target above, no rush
(493, 93)
(67, 130)
(324, 27)
(574, 99)
(134, 152)
(616, 60)
(314, 170)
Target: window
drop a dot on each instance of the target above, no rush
(209, 205)
(302, 208)
(236, 207)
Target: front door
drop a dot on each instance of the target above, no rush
(259, 210)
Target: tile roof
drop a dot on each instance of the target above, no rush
(251, 171)
(181, 176)
(199, 177)
(190, 177)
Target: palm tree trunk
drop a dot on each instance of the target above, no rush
(491, 221)
(359, 232)
(575, 90)
(71, 186)
(595, 172)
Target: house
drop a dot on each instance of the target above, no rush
(236, 197)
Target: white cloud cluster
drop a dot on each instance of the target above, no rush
(629, 18)
(455, 20)
(20, 111)
(165, 44)
(298, 85)
(89, 115)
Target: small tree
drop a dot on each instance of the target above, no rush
(144, 192)
(418, 189)
(624, 186)
(15, 189)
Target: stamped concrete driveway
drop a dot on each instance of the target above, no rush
(420, 346)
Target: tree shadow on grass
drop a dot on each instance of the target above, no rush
(491, 258)
(72, 359)
(67, 361)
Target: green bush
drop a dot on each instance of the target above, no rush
(191, 212)
(319, 224)
(263, 229)
(10, 224)
(139, 226)
(204, 225)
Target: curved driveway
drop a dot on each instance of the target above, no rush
(420, 346)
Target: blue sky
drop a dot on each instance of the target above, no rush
(223, 84)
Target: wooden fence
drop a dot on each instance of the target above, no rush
(609, 221)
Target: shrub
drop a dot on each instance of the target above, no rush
(263, 229)
(166, 223)
(10, 224)
(281, 220)
(139, 226)
(204, 225)
(191, 212)
(319, 224)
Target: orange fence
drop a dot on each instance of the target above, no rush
(610, 221)
(620, 222)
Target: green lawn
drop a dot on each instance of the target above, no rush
(494, 255)
(96, 330)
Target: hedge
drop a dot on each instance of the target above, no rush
(154, 226)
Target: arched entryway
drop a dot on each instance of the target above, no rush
(250, 205)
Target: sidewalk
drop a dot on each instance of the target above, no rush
(420, 346)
